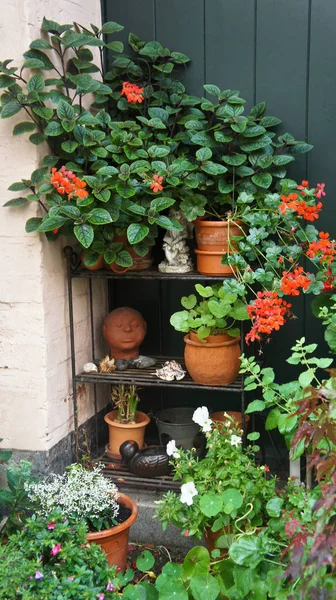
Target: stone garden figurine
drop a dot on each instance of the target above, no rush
(177, 253)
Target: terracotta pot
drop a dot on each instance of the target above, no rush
(210, 263)
(140, 263)
(98, 265)
(213, 239)
(211, 339)
(219, 417)
(114, 541)
(117, 268)
(212, 363)
(214, 236)
(211, 538)
(122, 432)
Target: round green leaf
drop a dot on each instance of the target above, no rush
(189, 302)
(203, 154)
(274, 506)
(145, 561)
(232, 499)
(136, 232)
(263, 180)
(246, 551)
(197, 561)
(211, 504)
(204, 587)
(84, 234)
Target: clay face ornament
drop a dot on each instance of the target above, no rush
(124, 329)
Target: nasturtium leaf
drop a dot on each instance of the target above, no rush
(232, 498)
(197, 561)
(205, 292)
(246, 551)
(211, 504)
(204, 587)
(145, 561)
(273, 507)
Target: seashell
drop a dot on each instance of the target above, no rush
(90, 367)
(107, 365)
(170, 370)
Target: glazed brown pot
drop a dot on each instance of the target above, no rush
(98, 265)
(211, 538)
(219, 417)
(114, 541)
(140, 263)
(212, 362)
(213, 240)
(121, 432)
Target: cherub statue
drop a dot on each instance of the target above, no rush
(175, 247)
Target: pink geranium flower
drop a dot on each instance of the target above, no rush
(51, 525)
(319, 192)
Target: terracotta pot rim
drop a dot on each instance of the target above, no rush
(129, 503)
(200, 344)
(230, 413)
(225, 223)
(212, 253)
(214, 338)
(145, 419)
(117, 269)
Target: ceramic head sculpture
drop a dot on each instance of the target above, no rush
(124, 329)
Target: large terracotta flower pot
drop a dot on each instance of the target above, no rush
(114, 541)
(214, 362)
(214, 238)
(121, 432)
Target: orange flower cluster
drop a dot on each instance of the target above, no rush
(304, 185)
(66, 182)
(292, 281)
(132, 92)
(324, 249)
(268, 313)
(309, 213)
(156, 184)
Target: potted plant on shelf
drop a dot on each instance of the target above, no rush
(125, 422)
(84, 495)
(212, 337)
(222, 495)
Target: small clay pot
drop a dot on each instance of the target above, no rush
(114, 541)
(140, 263)
(210, 263)
(121, 432)
(117, 268)
(98, 265)
(212, 363)
(219, 417)
(214, 236)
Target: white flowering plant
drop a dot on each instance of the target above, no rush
(225, 492)
(80, 494)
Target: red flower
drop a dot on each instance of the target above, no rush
(156, 184)
(324, 249)
(66, 183)
(291, 202)
(267, 469)
(293, 280)
(268, 313)
(329, 282)
(55, 230)
(51, 525)
(319, 192)
(304, 185)
(132, 92)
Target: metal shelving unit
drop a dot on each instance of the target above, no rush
(143, 377)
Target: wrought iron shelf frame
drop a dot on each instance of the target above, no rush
(144, 377)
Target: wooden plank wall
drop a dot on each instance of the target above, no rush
(279, 51)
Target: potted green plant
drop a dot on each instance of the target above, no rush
(223, 494)
(212, 337)
(125, 422)
(84, 495)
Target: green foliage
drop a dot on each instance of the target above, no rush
(219, 310)
(14, 499)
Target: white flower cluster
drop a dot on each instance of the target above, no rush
(78, 493)
(201, 417)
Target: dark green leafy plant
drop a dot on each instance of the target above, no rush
(15, 500)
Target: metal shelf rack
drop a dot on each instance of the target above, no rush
(143, 377)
